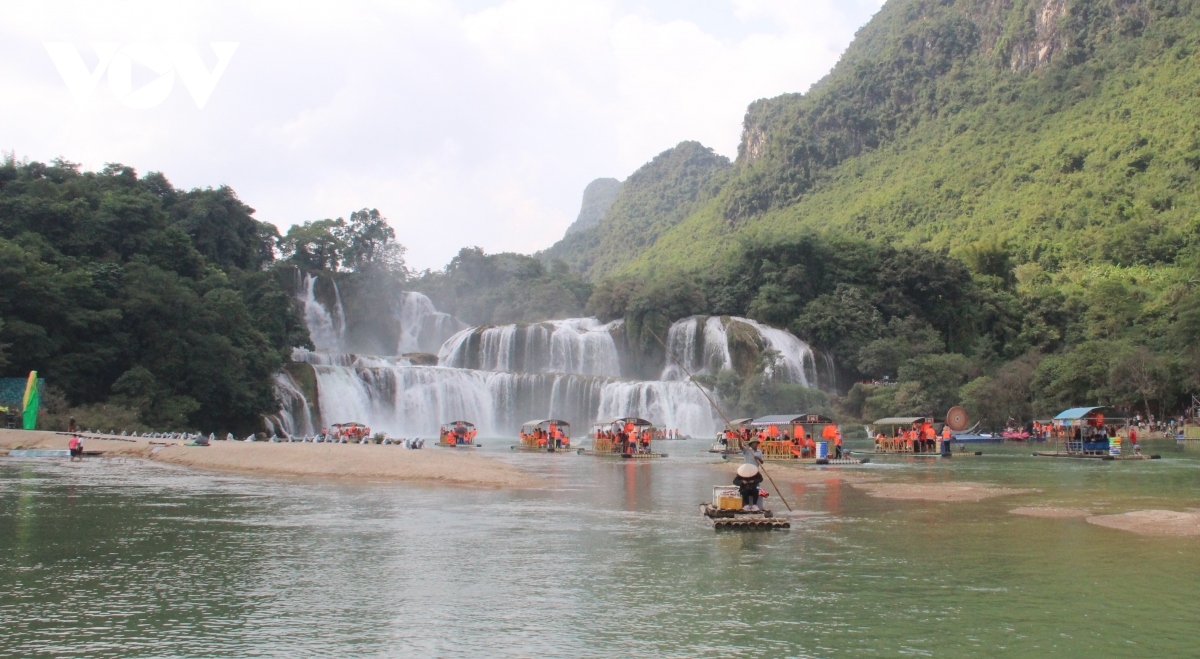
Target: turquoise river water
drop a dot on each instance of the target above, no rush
(132, 559)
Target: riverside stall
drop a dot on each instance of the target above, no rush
(628, 437)
(544, 435)
(1092, 432)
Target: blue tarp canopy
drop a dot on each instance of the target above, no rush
(1076, 413)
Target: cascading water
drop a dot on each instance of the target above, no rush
(582, 346)
(499, 377)
(702, 344)
(295, 415)
(704, 349)
(325, 327)
(796, 361)
(422, 327)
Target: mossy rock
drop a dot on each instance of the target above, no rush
(745, 346)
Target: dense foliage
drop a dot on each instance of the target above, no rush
(991, 201)
(494, 289)
(653, 199)
(126, 290)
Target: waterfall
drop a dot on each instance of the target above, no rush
(796, 362)
(704, 350)
(422, 327)
(581, 346)
(409, 401)
(499, 377)
(325, 327)
(295, 416)
(702, 344)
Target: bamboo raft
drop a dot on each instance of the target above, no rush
(627, 456)
(1094, 456)
(526, 448)
(906, 454)
(742, 520)
(811, 461)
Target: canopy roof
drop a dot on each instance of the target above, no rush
(903, 420)
(538, 422)
(349, 423)
(1076, 413)
(455, 423)
(623, 420)
(740, 422)
(789, 419)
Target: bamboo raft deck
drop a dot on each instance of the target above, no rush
(526, 448)
(450, 445)
(846, 462)
(1094, 456)
(627, 456)
(742, 520)
(906, 454)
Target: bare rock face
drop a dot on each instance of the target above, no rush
(597, 197)
(1046, 42)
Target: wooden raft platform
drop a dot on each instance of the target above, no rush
(537, 449)
(1097, 456)
(743, 520)
(627, 456)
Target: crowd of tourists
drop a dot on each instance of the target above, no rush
(627, 439)
(920, 438)
(552, 436)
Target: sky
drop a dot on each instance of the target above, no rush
(465, 122)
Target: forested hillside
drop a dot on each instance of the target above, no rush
(1049, 148)
(140, 304)
(649, 203)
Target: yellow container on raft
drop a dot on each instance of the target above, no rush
(727, 497)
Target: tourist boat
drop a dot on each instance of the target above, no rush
(544, 435)
(1092, 432)
(893, 444)
(457, 434)
(353, 432)
(725, 511)
(783, 439)
(606, 439)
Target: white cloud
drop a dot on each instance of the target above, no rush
(465, 125)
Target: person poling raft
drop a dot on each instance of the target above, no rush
(629, 437)
(742, 507)
(545, 435)
(460, 434)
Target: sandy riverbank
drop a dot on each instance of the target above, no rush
(1152, 522)
(349, 461)
(1051, 512)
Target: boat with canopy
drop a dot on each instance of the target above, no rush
(457, 434)
(544, 435)
(1099, 433)
(627, 437)
(803, 438)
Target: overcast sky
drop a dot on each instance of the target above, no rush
(469, 122)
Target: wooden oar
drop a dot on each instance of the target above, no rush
(728, 423)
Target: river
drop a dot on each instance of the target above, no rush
(134, 559)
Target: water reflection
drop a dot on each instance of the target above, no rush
(106, 559)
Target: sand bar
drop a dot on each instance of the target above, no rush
(1152, 522)
(1052, 512)
(348, 461)
(944, 492)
